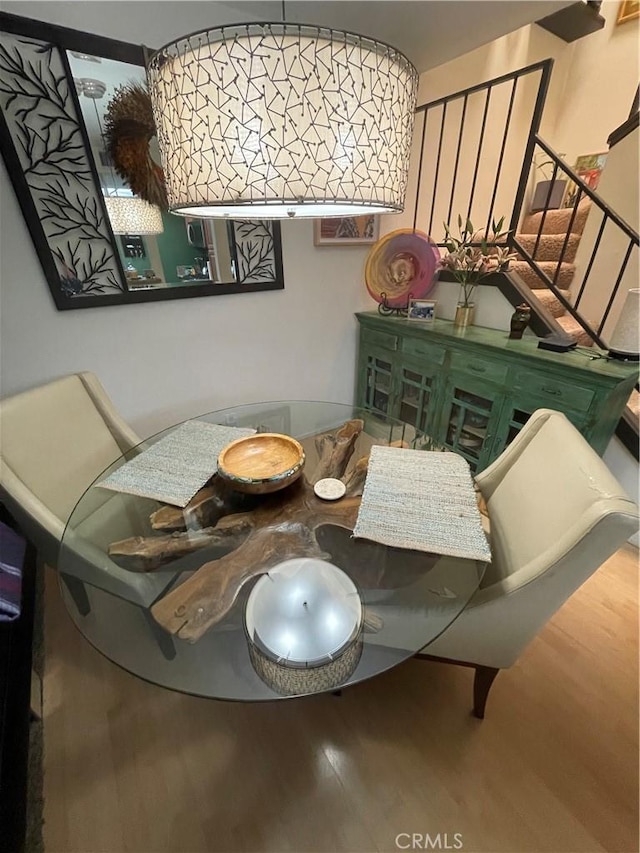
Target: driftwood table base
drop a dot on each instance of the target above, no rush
(273, 529)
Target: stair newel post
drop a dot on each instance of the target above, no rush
(536, 119)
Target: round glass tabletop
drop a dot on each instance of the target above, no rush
(163, 591)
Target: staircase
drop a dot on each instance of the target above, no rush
(553, 241)
(546, 243)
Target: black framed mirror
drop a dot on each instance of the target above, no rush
(55, 88)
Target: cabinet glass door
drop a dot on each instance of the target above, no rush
(515, 420)
(468, 423)
(416, 395)
(515, 416)
(377, 384)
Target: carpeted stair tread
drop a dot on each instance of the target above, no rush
(557, 221)
(573, 328)
(534, 281)
(553, 305)
(550, 246)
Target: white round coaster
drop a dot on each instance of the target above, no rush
(329, 489)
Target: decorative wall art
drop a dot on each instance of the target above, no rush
(54, 104)
(350, 231)
(254, 250)
(629, 9)
(401, 266)
(588, 167)
(49, 162)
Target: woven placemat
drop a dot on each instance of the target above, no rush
(177, 466)
(421, 500)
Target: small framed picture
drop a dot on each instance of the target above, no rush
(423, 310)
(348, 231)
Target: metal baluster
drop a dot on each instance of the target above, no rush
(501, 158)
(543, 88)
(546, 207)
(591, 260)
(435, 180)
(455, 168)
(480, 142)
(419, 178)
(567, 236)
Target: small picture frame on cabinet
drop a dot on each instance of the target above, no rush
(422, 310)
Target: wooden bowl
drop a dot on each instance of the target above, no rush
(261, 463)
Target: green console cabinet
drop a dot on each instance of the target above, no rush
(472, 389)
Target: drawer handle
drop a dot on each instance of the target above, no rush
(477, 369)
(553, 392)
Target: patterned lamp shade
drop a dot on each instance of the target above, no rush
(131, 215)
(284, 119)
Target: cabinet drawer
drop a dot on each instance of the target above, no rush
(380, 339)
(557, 394)
(494, 371)
(413, 346)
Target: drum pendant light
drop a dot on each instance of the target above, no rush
(133, 215)
(276, 120)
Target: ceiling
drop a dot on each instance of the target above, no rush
(429, 32)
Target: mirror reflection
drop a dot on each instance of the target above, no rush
(159, 249)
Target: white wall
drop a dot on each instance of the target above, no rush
(619, 187)
(164, 361)
(600, 85)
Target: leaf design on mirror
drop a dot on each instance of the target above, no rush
(255, 250)
(43, 123)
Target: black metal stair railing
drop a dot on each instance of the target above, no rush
(449, 134)
(466, 171)
(610, 220)
(450, 143)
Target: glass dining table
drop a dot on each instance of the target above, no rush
(126, 560)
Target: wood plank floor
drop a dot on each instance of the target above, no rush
(553, 767)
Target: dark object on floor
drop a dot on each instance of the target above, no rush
(16, 644)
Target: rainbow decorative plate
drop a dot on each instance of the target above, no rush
(400, 266)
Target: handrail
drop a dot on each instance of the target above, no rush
(447, 115)
(623, 130)
(586, 190)
(495, 81)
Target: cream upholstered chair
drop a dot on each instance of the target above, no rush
(54, 441)
(557, 513)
